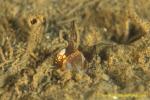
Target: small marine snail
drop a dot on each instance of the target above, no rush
(71, 58)
(73, 62)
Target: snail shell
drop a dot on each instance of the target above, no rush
(74, 62)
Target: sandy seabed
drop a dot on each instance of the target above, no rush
(74, 50)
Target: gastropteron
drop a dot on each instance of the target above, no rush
(71, 58)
